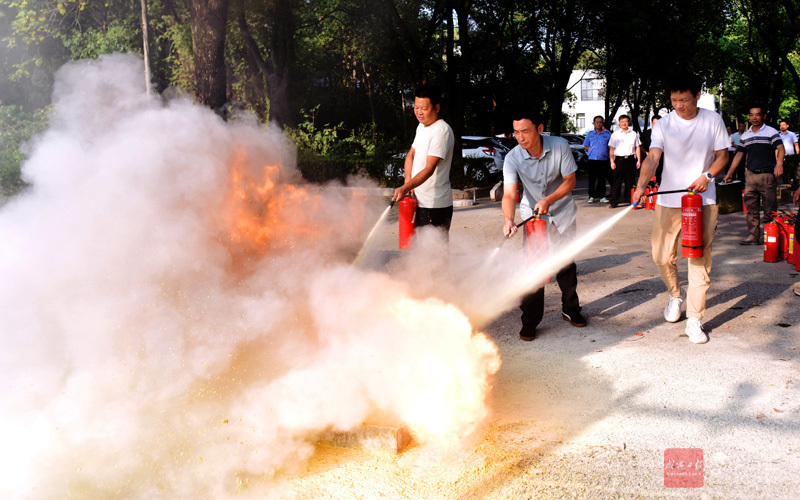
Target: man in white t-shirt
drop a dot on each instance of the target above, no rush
(427, 165)
(694, 144)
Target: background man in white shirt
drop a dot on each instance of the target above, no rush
(626, 158)
(789, 139)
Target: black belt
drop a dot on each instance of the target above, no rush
(768, 171)
(629, 156)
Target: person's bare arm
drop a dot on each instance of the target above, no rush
(422, 176)
(720, 160)
(566, 187)
(780, 152)
(735, 163)
(611, 157)
(509, 205)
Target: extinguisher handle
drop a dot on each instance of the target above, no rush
(526, 220)
(667, 192)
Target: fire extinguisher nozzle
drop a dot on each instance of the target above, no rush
(391, 205)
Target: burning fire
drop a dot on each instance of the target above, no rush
(266, 212)
(133, 365)
(261, 205)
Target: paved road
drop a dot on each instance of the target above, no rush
(590, 413)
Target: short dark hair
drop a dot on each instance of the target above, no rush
(784, 121)
(428, 92)
(760, 107)
(681, 82)
(624, 117)
(598, 116)
(656, 117)
(523, 112)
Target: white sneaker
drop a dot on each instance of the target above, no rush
(590, 200)
(695, 331)
(672, 312)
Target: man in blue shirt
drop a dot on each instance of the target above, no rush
(596, 145)
(546, 169)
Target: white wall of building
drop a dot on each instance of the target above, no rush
(587, 87)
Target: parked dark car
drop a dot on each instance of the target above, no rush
(578, 152)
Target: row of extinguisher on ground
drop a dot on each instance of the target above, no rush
(779, 239)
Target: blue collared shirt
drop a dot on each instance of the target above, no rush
(540, 177)
(598, 144)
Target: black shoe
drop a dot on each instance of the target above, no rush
(749, 241)
(575, 319)
(613, 205)
(527, 334)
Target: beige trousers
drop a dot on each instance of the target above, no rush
(666, 242)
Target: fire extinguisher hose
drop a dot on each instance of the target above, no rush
(659, 193)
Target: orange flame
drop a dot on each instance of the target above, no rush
(261, 207)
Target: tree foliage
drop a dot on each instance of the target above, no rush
(356, 63)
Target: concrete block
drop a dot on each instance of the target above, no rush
(496, 193)
(372, 438)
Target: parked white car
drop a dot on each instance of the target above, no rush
(473, 146)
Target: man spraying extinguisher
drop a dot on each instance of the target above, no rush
(694, 144)
(545, 167)
(427, 164)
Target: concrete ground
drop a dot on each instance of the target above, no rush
(590, 412)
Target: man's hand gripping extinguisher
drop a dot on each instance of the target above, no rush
(692, 225)
(408, 220)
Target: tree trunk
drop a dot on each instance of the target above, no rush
(282, 54)
(209, 19)
(146, 47)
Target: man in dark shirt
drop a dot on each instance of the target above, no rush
(765, 152)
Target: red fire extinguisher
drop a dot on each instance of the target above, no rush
(692, 225)
(536, 235)
(790, 255)
(796, 256)
(771, 242)
(783, 235)
(650, 202)
(408, 220)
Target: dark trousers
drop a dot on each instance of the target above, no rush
(625, 171)
(437, 217)
(760, 190)
(599, 174)
(533, 304)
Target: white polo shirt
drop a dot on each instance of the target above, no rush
(624, 143)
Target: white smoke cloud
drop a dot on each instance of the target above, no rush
(145, 352)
